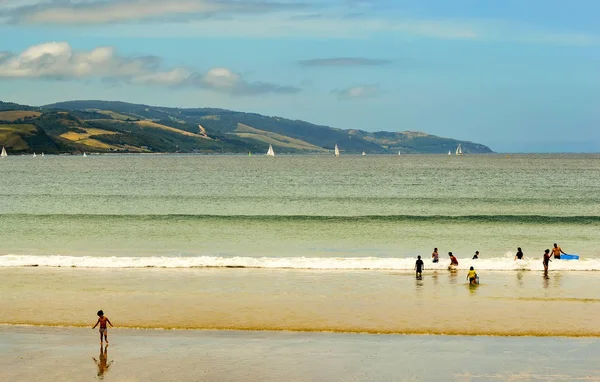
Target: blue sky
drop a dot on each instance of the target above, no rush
(517, 75)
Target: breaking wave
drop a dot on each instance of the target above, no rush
(505, 263)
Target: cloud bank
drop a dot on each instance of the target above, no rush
(86, 12)
(58, 61)
(264, 18)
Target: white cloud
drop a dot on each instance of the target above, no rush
(57, 60)
(220, 78)
(86, 12)
(360, 91)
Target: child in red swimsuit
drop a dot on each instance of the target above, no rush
(102, 320)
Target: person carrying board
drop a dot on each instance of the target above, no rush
(556, 251)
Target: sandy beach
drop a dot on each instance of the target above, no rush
(73, 354)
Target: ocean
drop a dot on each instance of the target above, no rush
(299, 212)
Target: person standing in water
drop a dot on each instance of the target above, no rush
(556, 251)
(546, 260)
(102, 320)
(476, 256)
(435, 256)
(419, 266)
(519, 255)
(472, 276)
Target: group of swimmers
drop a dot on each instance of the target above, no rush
(472, 275)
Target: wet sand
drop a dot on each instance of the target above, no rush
(73, 354)
(506, 303)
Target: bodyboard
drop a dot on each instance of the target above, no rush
(569, 257)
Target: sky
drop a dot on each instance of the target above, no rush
(516, 75)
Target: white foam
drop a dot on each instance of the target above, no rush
(341, 263)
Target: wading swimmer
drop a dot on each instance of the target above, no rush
(435, 256)
(102, 320)
(472, 276)
(519, 255)
(476, 256)
(556, 251)
(453, 261)
(419, 267)
(546, 259)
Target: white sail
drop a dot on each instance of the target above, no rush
(398, 152)
(364, 153)
(336, 151)
(42, 154)
(270, 152)
(459, 150)
(84, 154)
(34, 155)
(449, 153)
(4, 154)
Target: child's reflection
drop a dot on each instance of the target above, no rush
(102, 361)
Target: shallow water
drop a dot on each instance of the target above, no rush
(59, 354)
(505, 303)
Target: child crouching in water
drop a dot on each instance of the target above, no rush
(472, 276)
(102, 320)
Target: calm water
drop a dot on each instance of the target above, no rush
(299, 206)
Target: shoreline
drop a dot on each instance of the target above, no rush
(311, 331)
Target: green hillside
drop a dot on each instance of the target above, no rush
(106, 126)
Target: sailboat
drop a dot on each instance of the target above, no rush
(459, 150)
(34, 155)
(4, 154)
(336, 151)
(270, 152)
(42, 155)
(449, 152)
(364, 154)
(84, 154)
(398, 152)
(249, 153)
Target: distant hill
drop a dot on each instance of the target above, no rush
(107, 126)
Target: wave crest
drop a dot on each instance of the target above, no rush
(308, 263)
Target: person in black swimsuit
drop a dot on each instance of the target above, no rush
(519, 255)
(419, 267)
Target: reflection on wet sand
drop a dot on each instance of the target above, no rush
(434, 276)
(453, 276)
(102, 361)
(546, 280)
(520, 278)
